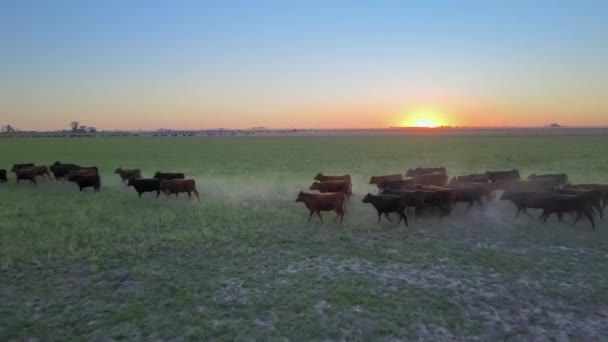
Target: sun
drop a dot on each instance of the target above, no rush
(424, 117)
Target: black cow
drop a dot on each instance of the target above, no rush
(3, 176)
(145, 185)
(386, 204)
(561, 204)
(60, 171)
(86, 181)
(169, 175)
(523, 200)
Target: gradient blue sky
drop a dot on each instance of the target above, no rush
(203, 64)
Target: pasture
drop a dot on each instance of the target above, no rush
(244, 264)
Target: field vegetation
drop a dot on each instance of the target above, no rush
(244, 264)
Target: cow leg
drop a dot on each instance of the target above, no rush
(157, 193)
(310, 215)
(560, 216)
(319, 214)
(388, 217)
(480, 202)
(590, 217)
(140, 193)
(379, 216)
(189, 194)
(579, 215)
(527, 213)
(196, 193)
(518, 211)
(402, 217)
(469, 206)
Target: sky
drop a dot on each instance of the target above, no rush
(302, 64)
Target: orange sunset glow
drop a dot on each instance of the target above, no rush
(424, 117)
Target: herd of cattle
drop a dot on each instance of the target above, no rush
(88, 177)
(428, 190)
(421, 190)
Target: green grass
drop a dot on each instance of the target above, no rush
(243, 263)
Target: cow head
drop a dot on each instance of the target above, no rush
(318, 176)
(157, 175)
(410, 173)
(118, 170)
(315, 186)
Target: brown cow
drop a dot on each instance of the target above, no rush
(21, 166)
(424, 170)
(127, 174)
(324, 202)
(85, 171)
(396, 184)
(333, 186)
(42, 171)
(379, 179)
(434, 178)
(26, 174)
(474, 178)
(323, 178)
(177, 186)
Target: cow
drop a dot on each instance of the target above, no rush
(523, 200)
(379, 179)
(323, 178)
(42, 171)
(86, 181)
(21, 166)
(396, 184)
(424, 198)
(3, 178)
(26, 174)
(128, 174)
(324, 202)
(531, 185)
(177, 186)
(472, 193)
(333, 186)
(561, 178)
(60, 171)
(474, 178)
(510, 175)
(145, 185)
(168, 175)
(561, 204)
(424, 170)
(440, 199)
(410, 197)
(386, 204)
(593, 196)
(602, 188)
(433, 178)
(487, 189)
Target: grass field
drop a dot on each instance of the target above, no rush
(243, 263)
